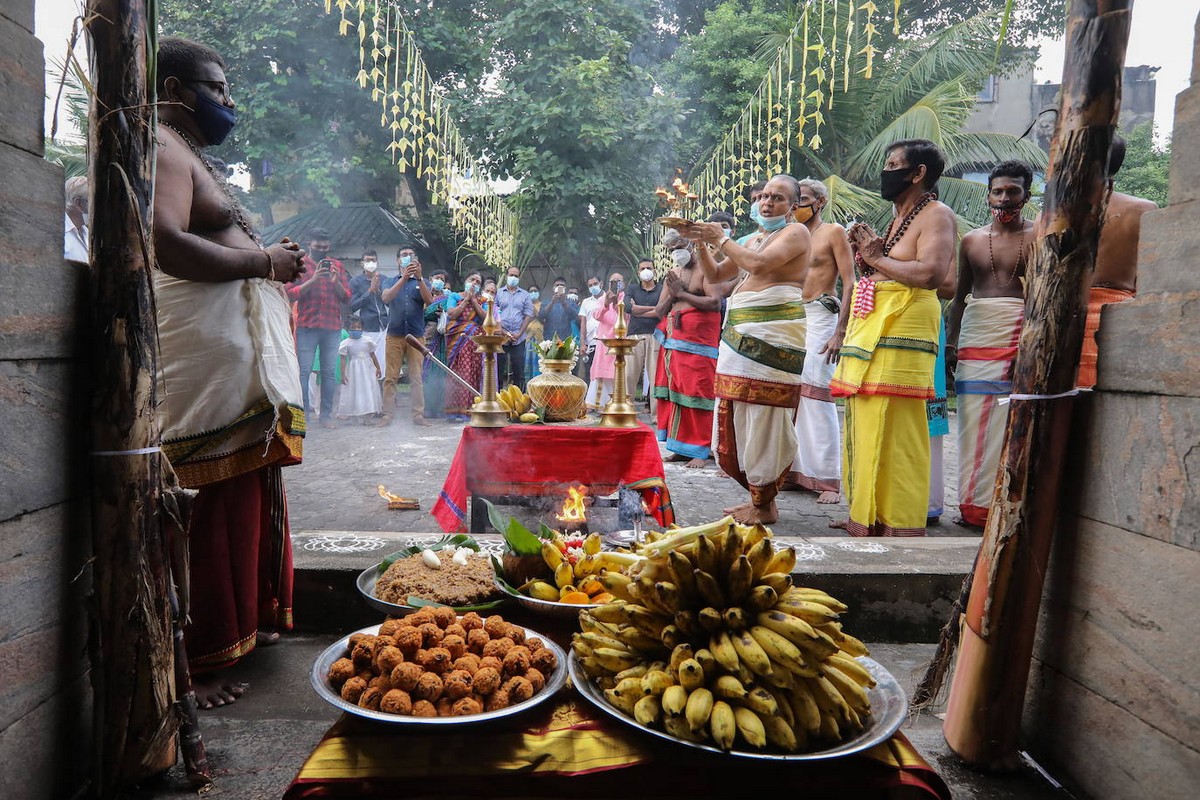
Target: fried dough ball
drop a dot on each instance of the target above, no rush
(396, 702)
(469, 663)
(477, 639)
(363, 653)
(470, 621)
(387, 659)
(431, 634)
(519, 689)
(370, 698)
(497, 700)
(534, 644)
(409, 640)
(544, 661)
(366, 675)
(381, 682)
(341, 671)
(384, 641)
(424, 708)
(353, 688)
(443, 706)
(390, 626)
(536, 679)
(465, 707)
(437, 660)
(456, 645)
(458, 684)
(493, 662)
(456, 630)
(406, 675)
(516, 661)
(498, 647)
(516, 633)
(356, 638)
(444, 615)
(419, 618)
(495, 626)
(429, 687)
(486, 680)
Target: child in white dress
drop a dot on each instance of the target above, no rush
(361, 396)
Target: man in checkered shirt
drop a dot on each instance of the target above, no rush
(320, 294)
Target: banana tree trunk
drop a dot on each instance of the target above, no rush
(132, 664)
(987, 696)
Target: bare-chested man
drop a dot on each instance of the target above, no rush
(982, 333)
(818, 463)
(887, 360)
(687, 359)
(762, 346)
(232, 413)
(1115, 277)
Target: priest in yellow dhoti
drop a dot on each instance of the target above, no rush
(761, 355)
(888, 356)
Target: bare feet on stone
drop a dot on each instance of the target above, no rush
(969, 525)
(737, 508)
(266, 638)
(696, 463)
(827, 498)
(842, 524)
(750, 514)
(214, 690)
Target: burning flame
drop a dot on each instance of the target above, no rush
(396, 501)
(677, 194)
(573, 508)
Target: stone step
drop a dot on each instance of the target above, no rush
(898, 590)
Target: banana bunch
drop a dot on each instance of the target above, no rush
(710, 641)
(515, 401)
(576, 564)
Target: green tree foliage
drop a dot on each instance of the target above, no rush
(1146, 171)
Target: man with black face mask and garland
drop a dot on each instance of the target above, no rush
(231, 411)
(887, 360)
(982, 333)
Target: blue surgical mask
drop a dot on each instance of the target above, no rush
(620, 286)
(214, 119)
(755, 214)
(355, 334)
(535, 294)
(438, 284)
(772, 224)
(595, 290)
(405, 261)
(512, 281)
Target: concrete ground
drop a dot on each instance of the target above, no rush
(257, 745)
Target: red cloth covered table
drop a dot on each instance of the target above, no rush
(537, 460)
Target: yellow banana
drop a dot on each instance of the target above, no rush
(817, 649)
(810, 612)
(623, 702)
(852, 646)
(591, 545)
(680, 569)
(735, 618)
(779, 733)
(851, 666)
(722, 724)
(804, 709)
(729, 687)
(829, 699)
(688, 623)
(639, 640)
(566, 589)
(540, 590)
(656, 682)
(710, 619)
(591, 667)
(590, 585)
(794, 629)
(698, 709)
(599, 640)
(706, 555)
(761, 598)
(617, 584)
(750, 727)
(779, 581)
(674, 700)
(708, 589)
(830, 730)
(630, 685)
(680, 654)
(783, 653)
(780, 679)
(563, 575)
(668, 595)
(645, 620)
(783, 560)
(615, 660)
(785, 707)
(691, 674)
(551, 555)
(677, 726)
(739, 580)
(647, 710)
(759, 555)
(760, 700)
(636, 671)
(723, 650)
(818, 596)
(855, 695)
(707, 662)
(751, 653)
(670, 636)
(730, 550)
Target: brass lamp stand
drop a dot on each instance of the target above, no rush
(619, 413)
(488, 413)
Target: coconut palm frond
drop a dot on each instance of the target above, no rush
(71, 156)
(968, 199)
(981, 151)
(849, 202)
(940, 113)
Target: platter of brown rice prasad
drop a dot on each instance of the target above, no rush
(451, 572)
(436, 667)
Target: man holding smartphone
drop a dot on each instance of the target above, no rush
(514, 312)
(319, 295)
(406, 297)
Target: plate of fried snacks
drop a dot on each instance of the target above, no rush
(673, 222)
(435, 667)
(451, 572)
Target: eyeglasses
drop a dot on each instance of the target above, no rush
(220, 87)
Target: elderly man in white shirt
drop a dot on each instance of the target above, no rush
(75, 233)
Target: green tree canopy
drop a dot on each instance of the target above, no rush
(1146, 171)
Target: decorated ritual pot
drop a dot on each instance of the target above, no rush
(557, 390)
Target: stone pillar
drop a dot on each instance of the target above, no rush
(1114, 702)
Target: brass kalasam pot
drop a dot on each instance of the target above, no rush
(557, 391)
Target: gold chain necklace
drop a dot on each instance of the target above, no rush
(992, 257)
(239, 213)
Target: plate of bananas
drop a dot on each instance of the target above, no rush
(518, 405)
(711, 645)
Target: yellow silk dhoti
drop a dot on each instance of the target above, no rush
(886, 375)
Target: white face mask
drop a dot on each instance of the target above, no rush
(560, 290)
(370, 266)
(681, 257)
(574, 298)
(646, 275)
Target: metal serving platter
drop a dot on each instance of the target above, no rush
(366, 587)
(888, 709)
(320, 683)
(545, 608)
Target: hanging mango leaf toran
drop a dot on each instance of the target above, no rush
(788, 109)
(424, 138)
